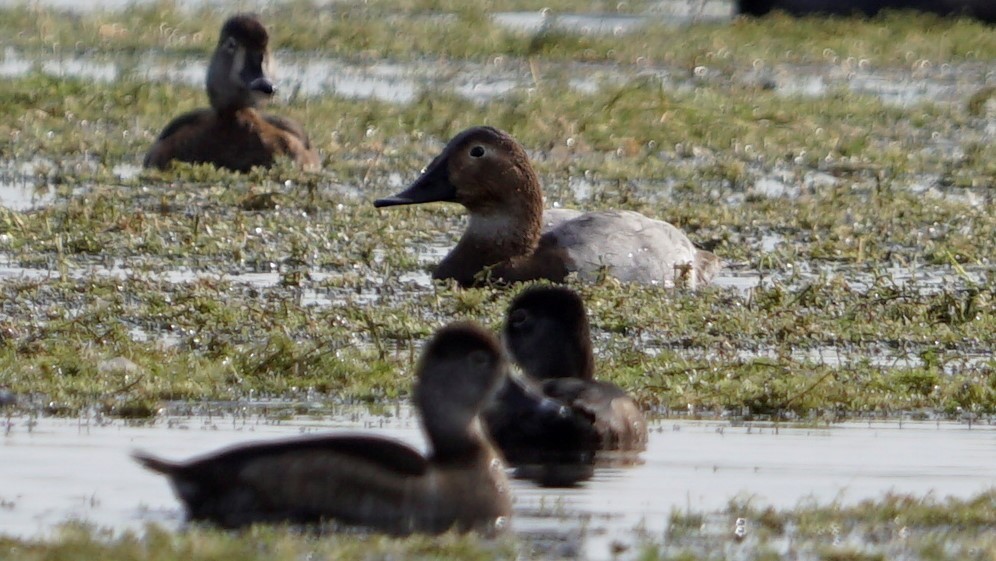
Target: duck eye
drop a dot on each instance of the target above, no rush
(231, 44)
(477, 151)
(478, 359)
(519, 319)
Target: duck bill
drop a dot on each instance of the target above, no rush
(433, 186)
(262, 86)
(251, 65)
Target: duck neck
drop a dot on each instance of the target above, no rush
(571, 359)
(455, 443)
(225, 98)
(585, 356)
(503, 240)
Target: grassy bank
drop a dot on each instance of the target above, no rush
(862, 228)
(895, 527)
(878, 244)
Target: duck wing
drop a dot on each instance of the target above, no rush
(175, 137)
(291, 127)
(531, 428)
(354, 479)
(627, 246)
(554, 217)
(617, 419)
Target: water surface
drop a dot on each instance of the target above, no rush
(56, 470)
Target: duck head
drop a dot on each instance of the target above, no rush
(458, 373)
(483, 169)
(546, 332)
(236, 76)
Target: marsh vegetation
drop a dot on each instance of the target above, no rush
(845, 170)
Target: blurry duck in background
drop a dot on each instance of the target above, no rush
(367, 480)
(232, 133)
(510, 239)
(558, 421)
(984, 10)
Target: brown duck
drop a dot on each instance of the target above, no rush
(509, 238)
(371, 481)
(232, 133)
(554, 421)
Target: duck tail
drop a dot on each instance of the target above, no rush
(155, 464)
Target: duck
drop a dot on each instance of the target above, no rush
(557, 419)
(984, 10)
(509, 238)
(233, 133)
(367, 480)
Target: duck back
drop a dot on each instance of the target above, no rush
(532, 428)
(632, 248)
(239, 142)
(616, 419)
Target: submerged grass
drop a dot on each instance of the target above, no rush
(897, 526)
(262, 543)
(852, 244)
(894, 527)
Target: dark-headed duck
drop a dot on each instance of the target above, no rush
(546, 331)
(489, 173)
(984, 10)
(232, 133)
(368, 480)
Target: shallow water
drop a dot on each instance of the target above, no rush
(56, 470)
(21, 194)
(539, 22)
(401, 82)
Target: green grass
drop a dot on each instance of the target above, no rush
(262, 543)
(916, 528)
(411, 30)
(691, 155)
(855, 273)
(896, 526)
(646, 136)
(201, 218)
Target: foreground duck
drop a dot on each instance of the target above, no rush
(554, 421)
(489, 173)
(233, 134)
(366, 480)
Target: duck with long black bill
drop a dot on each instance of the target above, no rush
(509, 238)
